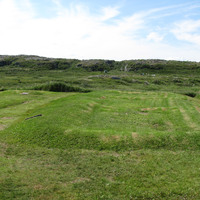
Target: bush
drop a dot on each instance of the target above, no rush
(2, 89)
(59, 87)
(191, 94)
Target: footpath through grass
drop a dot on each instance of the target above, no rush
(99, 145)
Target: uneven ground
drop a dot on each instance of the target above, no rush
(136, 135)
(99, 145)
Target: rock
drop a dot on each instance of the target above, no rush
(24, 93)
(114, 77)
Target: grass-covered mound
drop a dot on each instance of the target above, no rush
(113, 121)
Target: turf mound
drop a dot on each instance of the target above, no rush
(113, 121)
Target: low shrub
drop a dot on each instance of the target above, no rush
(2, 89)
(190, 94)
(59, 87)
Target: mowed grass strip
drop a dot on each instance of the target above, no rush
(111, 120)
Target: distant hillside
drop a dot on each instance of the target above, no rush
(29, 62)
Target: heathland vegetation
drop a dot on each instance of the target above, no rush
(99, 129)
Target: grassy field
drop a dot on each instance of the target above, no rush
(105, 120)
(99, 145)
(135, 135)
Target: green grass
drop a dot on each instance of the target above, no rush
(99, 145)
(113, 120)
(40, 173)
(14, 105)
(135, 137)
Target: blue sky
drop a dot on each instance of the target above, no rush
(106, 29)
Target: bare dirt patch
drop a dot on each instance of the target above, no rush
(2, 127)
(154, 108)
(26, 102)
(80, 180)
(198, 109)
(111, 138)
(7, 118)
(134, 135)
(143, 113)
(38, 187)
(148, 109)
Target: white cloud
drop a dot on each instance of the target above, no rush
(109, 12)
(76, 33)
(154, 36)
(188, 31)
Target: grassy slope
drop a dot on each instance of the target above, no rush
(101, 164)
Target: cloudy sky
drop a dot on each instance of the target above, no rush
(105, 29)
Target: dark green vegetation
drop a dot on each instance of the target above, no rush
(135, 135)
(60, 87)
